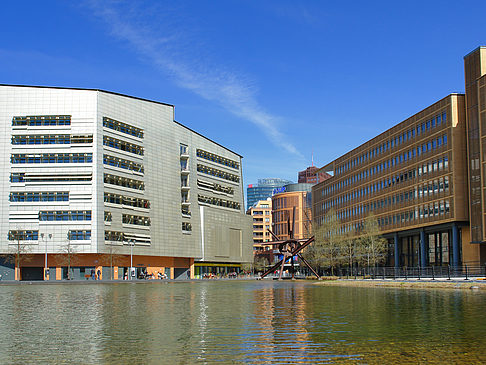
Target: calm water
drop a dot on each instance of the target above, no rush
(239, 322)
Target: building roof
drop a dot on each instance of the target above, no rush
(126, 96)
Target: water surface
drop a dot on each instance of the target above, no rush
(234, 322)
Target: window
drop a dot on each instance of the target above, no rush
(123, 181)
(135, 220)
(23, 235)
(217, 173)
(108, 217)
(123, 145)
(218, 159)
(42, 120)
(65, 215)
(122, 127)
(48, 196)
(186, 226)
(79, 235)
(220, 202)
(51, 158)
(126, 200)
(123, 164)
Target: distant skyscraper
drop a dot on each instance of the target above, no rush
(263, 190)
(310, 176)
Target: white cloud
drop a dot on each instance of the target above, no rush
(227, 89)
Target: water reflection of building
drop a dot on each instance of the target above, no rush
(423, 179)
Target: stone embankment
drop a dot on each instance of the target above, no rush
(471, 284)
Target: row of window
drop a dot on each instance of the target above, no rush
(394, 142)
(427, 189)
(123, 181)
(20, 177)
(65, 215)
(122, 127)
(218, 173)
(51, 139)
(41, 120)
(123, 145)
(23, 235)
(215, 187)
(137, 220)
(79, 235)
(52, 158)
(122, 237)
(434, 209)
(39, 196)
(218, 202)
(126, 200)
(123, 164)
(431, 166)
(218, 159)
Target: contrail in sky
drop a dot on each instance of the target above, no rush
(225, 88)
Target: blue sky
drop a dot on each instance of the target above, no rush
(274, 80)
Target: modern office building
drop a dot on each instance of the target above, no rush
(94, 179)
(423, 180)
(311, 175)
(263, 190)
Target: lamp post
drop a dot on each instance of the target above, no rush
(45, 256)
(131, 243)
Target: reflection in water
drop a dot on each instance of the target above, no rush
(238, 322)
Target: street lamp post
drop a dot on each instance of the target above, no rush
(131, 243)
(46, 268)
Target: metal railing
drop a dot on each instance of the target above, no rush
(464, 272)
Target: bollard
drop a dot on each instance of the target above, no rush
(419, 268)
(466, 271)
(406, 272)
(433, 274)
(448, 272)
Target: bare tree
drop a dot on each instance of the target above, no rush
(113, 259)
(327, 249)
(67, 257)
(18, 254)
(260, 263)
(374, 245)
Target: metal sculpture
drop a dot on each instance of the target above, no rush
(289, 248)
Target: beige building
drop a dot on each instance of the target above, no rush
(261, 213)
(414, 179)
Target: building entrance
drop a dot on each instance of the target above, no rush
(32, 273)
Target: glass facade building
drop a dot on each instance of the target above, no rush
(263, 190)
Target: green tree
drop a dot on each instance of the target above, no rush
(373, 244)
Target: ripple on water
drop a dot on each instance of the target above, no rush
(238, 322)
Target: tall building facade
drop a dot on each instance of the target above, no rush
(263, 190)
(422, 179)
(92, 173)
